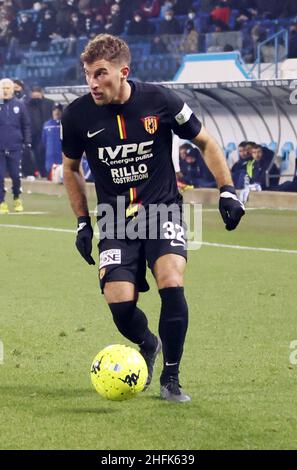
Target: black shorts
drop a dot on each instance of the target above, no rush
(126, 259)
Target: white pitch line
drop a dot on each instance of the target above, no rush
(44, 229)
(217, 245)
(250, 248)
(27, 213)
(254, 209)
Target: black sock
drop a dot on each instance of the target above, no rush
(172, 329)
(133, 324)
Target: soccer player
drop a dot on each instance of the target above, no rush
(125, 129)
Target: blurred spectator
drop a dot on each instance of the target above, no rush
(150, 8)
(170, 25)
(158, 46)
(190, 19)
(238, 170)
(94, 26)
(46, 27)
(40, 110)
(138, 26)
(189, 41)
(19, 89)
(167, 5)
(25, 30)
(193, 169)
(51, 138)
(221, 12)
(115, 22)
(63, 9)
(249, 148)
(257, 167)
(76, 27)
(189, 171)
(14, 134)
(292, 54)
(242, 18)
(4, 32)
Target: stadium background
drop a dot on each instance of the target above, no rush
(239, 362)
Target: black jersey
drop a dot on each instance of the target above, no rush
(128, 146)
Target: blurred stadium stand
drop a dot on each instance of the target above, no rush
(55, 62)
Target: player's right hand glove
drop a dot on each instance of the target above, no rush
(231, 208)
(84, 238)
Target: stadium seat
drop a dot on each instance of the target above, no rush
(272, 146)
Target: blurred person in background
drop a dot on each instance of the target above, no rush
(170, 25)
(14, 134)
(40, 111)
(51, 138)
(189, 41)
(115, 21)
(45, 28)
(257, 167)
(138, 26)
(292, 53)
(190, 172)
(150, 8)
(28, 159)
(238, 170)
(221, 13)
(19, 89)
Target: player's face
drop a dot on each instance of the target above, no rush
(242, 152)
(7, 90)
(105, 80)
(257, 154)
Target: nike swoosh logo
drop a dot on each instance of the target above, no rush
(92, 134)
(81, 226)
(172, 243)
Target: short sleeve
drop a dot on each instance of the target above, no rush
(183, 121)
(72, 144)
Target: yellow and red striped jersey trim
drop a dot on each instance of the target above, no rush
(133, 195)
(122, 126)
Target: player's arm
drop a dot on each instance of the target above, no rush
(187, 126)
(76, 189)
(75, 186)
(214, 157)
(231, 208)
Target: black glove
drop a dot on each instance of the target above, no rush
(231, 208)
(84, 238)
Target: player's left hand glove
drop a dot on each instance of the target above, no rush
(84, 238)
(231, 208)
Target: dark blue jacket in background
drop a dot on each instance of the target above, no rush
(52, 143)
(15, 129)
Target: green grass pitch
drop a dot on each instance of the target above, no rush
(236, 364)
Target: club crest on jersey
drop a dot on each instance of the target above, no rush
(150, 123)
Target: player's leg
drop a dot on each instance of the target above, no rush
(169, 271)
(120, 284)
(14, 169)
(3, 205)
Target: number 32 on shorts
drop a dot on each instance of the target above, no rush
(174, 232)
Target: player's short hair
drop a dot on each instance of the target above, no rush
(257, 146)
(242, 144)
(107, 47)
